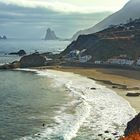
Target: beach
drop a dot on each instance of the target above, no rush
(86, 114)
(71, 103)
(126, 80)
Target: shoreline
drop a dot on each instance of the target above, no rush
(120, 81)
(94, 102)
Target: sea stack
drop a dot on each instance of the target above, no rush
(50, 35)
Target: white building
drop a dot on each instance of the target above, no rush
(138, 62)
(74, 54)
(85, 58)
(120, 61)
(97, 62)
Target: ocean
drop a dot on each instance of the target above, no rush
(30, 46)
(53, 105)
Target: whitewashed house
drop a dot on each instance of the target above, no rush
(84, 59)
(138, 61)
(120, 61)
(74, 54)
(97, 62)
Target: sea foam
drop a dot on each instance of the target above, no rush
(97, 110)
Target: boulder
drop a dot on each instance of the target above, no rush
(33, 60)
(93, 88)
(133, 94)
(133, 125)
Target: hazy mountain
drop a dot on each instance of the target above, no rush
(130, 10)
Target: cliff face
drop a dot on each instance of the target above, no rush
(50, 35)
(122, 16)
(116, 40)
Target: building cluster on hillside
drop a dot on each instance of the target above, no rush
(78, 56)
(120, 60)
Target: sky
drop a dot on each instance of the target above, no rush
(31, 18)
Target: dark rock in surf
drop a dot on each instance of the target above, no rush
(20, 53)
(133, 94)
(133, 125)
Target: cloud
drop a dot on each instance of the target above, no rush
(59, 6)
(32, 21)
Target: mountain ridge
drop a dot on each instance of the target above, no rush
(119, 17)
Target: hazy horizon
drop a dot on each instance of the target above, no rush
(30, 19)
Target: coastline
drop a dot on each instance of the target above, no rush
(124, 80)
(93, 105)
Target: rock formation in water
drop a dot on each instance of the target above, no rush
(50, 35)
(20, 53)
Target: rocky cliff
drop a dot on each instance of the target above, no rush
(113, 41)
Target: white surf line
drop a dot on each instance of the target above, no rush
(101, 109)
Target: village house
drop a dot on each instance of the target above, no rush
(85, 58)
(138, 61)
(73, 55)
(97, 62)
(77, 55)
(121, 60)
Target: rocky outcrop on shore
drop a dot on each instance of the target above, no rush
(27, 61)
(20, 53)
(33, 60)
(132, 131)
(133, 125)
